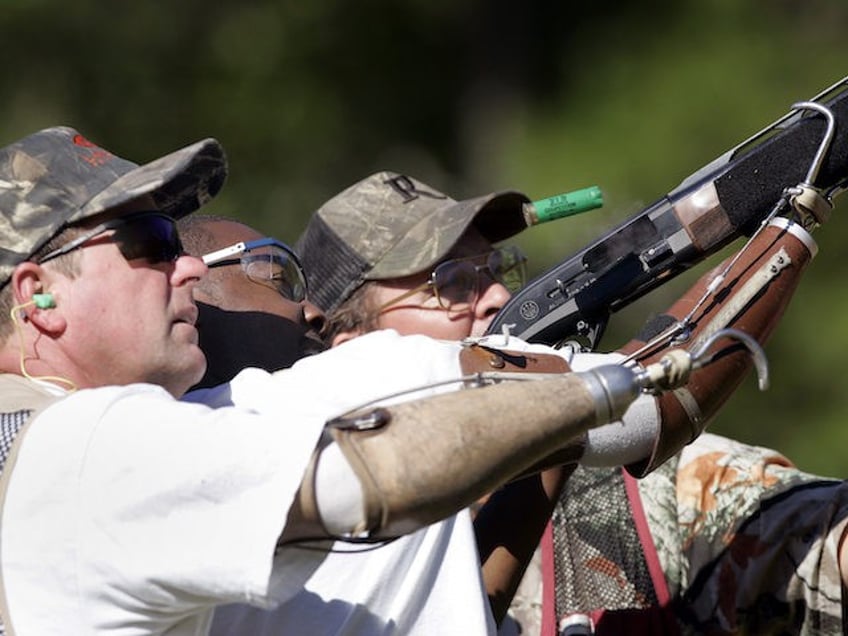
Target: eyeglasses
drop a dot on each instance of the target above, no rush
(149, 235)
(456, 283)
(278, 267)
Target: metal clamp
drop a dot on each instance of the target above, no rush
(675, 367)
(806, 199)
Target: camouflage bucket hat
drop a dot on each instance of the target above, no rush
(56, 177)
(390, 225)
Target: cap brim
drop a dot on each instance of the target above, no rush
(497, 216)
(180, 182)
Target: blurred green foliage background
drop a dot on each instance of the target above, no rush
(470, 96)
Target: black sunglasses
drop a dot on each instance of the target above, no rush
(152, 236)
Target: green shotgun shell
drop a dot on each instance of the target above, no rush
(561, 205)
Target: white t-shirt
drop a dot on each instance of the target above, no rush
(128, 512)
(425, 583)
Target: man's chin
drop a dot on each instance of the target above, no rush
(186, 332)
(190, 371)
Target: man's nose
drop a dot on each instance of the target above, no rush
(492, 298)
(313, 316)
(188, 268)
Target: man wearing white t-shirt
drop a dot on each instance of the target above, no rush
(422, 583)
(411, 585)
(125, 511)
(104, 498)
(453, 292)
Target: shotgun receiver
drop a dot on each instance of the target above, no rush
(799, 162)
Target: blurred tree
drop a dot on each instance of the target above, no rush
(640, 124)
(470, 96)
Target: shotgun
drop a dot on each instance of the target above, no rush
(798, 163)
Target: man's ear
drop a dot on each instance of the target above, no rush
(31, 288)
(344, 336)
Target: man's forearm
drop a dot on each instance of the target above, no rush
(506, 547)
(430, 458)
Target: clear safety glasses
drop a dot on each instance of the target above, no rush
(267, 262)
(456, 283)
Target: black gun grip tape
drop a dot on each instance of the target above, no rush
(757, 180)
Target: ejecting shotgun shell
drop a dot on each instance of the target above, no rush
(561, 205)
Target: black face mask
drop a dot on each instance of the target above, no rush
(234, 340)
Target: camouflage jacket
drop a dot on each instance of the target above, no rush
(724, 538)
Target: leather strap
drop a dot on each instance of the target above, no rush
(476, 358)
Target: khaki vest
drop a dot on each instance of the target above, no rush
(20, 401)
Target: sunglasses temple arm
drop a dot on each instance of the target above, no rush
(406, 295)
(218, 255)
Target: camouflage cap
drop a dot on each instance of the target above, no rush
(390, 225)
(56, 177)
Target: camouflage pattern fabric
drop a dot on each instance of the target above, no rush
(747, 542)
(57, 177)
(391, 225)
(598, 558)
(751, 547)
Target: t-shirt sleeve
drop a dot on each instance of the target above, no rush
(380, 366)
(144, 504)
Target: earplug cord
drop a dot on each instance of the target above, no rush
(13, 314)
